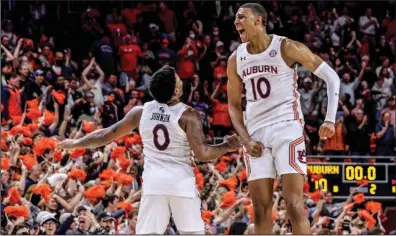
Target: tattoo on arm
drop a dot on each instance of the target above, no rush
(104, 136)
(94, 139)
(197, 140)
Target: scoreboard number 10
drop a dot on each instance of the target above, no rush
(322, 182)
(356, 173)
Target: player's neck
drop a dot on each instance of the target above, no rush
(173, 102)
(260, 43)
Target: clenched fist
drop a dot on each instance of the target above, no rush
(233, 142)
(327, 130)
(254, 148)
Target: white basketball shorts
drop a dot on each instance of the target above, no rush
(155, 211)
(284, 151)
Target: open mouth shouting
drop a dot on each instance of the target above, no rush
(242, 34)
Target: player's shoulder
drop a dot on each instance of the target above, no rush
(190, 113)
(289, 45)
(232, 61)
(134, 115)
(137, 110)
(189, 116)
(233, 56)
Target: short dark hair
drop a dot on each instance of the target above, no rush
(257, 10)
(73, 78)
(11, 76)
(108, 199)
(162, 84)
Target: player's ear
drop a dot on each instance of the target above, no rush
(176, 91)
(259, 20)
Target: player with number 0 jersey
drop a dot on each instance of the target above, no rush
(169, 130)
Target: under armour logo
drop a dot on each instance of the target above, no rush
(162, 109)
(301, 156)
(243, 58)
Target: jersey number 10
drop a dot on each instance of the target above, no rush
(165, 131)
(256, 86)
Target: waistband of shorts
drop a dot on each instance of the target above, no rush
(301, 121)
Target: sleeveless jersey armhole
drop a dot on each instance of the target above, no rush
(295, 65)
(179, 115)
(236, 60)
(145, 107)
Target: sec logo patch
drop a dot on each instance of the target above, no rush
(272, 53)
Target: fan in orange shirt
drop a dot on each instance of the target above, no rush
(118, 30)
(220, 74)
(129, 57)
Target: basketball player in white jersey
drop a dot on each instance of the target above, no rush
(169, 130)
(271, 129)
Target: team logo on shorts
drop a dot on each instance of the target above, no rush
(302, 156)
(272, 53)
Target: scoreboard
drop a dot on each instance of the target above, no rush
(341, 178)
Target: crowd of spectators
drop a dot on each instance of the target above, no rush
(65, 74)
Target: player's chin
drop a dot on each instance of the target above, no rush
(243, 39)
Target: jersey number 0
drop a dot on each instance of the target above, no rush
(164, 130)
(257, 84)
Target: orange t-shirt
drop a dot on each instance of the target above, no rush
(220, 114)
(129, 57)
(218, 72)
(130, 15)
(365, 49)
(113, 29)
(15, 105)
(186, 67)
(335, 143)
(167, 17)
(51, 58)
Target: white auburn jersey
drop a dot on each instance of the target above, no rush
(271, 86)
(167, 161)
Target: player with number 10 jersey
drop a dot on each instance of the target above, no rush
(271, 86)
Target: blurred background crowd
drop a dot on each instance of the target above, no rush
(69, 68)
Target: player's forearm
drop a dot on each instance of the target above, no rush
(381, 133)
(326, 73)
(236, 116)
(95, 139)
(212, 152)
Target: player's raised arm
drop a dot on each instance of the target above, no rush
(234, 92)
(292, 52)
(104, 136)
(195, 135)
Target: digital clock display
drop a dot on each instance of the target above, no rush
(375, 173)
(341, 178)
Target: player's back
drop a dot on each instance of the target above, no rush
(271, 86)
(167, 159)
